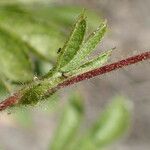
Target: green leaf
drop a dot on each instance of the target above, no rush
(92, 64)
(44, 27)
(111, 125)
(73, 44)
(86, 48)
(15, 64)
(68, 125)
(43, 37)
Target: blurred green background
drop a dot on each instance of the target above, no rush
(77, 120)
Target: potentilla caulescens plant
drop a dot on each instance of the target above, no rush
(72, 65)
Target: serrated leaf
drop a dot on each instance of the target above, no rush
(69, 124)
(92, 64)
(73, 43)
(112, 124)
(86, 48)
(14, 62)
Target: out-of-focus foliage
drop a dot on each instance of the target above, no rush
(43, 27)
(43, 38)
(63, 15)
(109, 127)
(69, 123)
(31, 34)
(15, 63)
(4, 91)
(23, 1)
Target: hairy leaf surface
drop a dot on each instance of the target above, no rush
(73, 44)
(86, 48)
(92, 64)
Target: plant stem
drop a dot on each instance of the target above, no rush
(12, 100)
(107, 68)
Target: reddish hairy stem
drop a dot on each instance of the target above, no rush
(107, 68)
(90, 74)
(10, 101)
